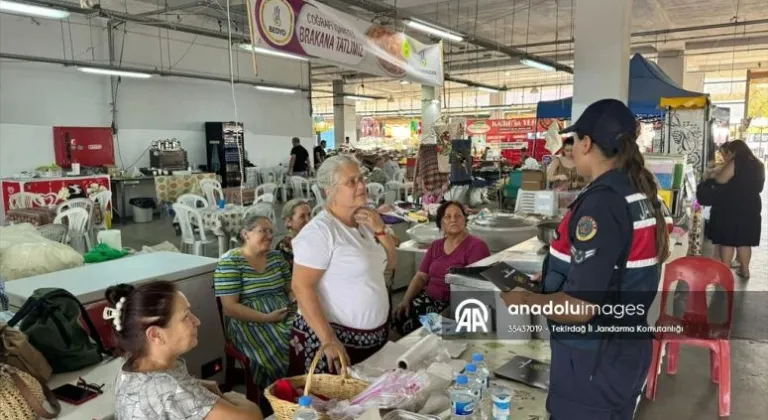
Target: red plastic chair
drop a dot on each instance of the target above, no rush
(698, 273)
(252, 391)
(103, 327)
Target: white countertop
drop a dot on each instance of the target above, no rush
(100, 408)
(89, 281)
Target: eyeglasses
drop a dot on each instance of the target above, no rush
(93, 387)
(264, 231)
(354, 181)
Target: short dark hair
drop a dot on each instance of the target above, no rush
(524, 150)
(444, 207)
(148, 305)
(568, 142)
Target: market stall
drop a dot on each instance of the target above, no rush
(56, 189)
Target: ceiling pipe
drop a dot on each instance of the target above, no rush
(172, 9)
(154, 72)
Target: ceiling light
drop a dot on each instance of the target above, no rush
(30, 10)
(442, 33)
(537, 64)
(116, 73)
(358, 98)
(487, 89)
(274, 53)
(275, 89)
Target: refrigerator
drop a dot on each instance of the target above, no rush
(88, 146)
(225, 151)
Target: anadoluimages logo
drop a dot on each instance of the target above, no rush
(471, 316)
(277, 19)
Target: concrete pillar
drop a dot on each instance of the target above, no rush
(601, 68)
(344, 118)
(693, 82)
(496, 100)
(672, 62)
(430, 113)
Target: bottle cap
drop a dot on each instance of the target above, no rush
(471, 368)
(461, 380)
(305, 401)
(477, 357)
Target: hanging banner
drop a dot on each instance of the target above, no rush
(311, 29)
(508, 130)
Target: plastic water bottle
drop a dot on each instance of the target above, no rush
(305, 410)
(475, 383)
(482, 369)
(462, 400)
(501, 403)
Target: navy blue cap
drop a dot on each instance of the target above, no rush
(605, 122)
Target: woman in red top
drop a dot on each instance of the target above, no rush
(428, 291)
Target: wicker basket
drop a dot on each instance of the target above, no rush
(332, 386)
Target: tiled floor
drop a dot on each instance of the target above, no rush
(689, 395)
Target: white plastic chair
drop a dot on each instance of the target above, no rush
(25, 200)
(77, 227)
(192, 200)
(211, 190)
(318, 208)
(190, 236)
(401, 188)
(264, 209)
(301, 187)
(265, 198)
(318, 195)
(399, 176)
(80, 203)
(266, 188)
(375, 191)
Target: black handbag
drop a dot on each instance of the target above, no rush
(708, 191)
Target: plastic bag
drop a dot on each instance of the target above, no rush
(394, 389)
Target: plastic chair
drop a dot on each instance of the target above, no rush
(266, 188)
(401, 188)
(83, 203)
(211, 190)
(192, 200)
(300, 186)
(399, 176)
(698, 273)
(104, 200)
(25, 200)
(264, 209)
(318, 208)
(265, 198)
(318, 195)
(103, 327)
(56, 233)
(190, 236)
(77, 227)
(375, 191)
(279, 174)
(252, 391)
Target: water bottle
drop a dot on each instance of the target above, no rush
(305, 410)
(475, 383)
(482, 369)
(501, 403)
(462, 400)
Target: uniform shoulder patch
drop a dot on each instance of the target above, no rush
(586, 228)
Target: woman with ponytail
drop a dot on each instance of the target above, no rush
(602, 272)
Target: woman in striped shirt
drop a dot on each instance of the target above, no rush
(252, 283)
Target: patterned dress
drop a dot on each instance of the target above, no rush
(265, 344)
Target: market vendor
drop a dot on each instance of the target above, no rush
(562, 170)
(607, 251)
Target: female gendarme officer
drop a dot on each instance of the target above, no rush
(603, 270)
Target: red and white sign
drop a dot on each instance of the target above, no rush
(50, 185)
(527, 131)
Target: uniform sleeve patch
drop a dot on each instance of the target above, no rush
(586, 228)
(581, 255)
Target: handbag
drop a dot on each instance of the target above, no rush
(707, 192)
(16, 351)
(22, 396)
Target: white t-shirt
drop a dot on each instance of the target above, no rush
(352, 290)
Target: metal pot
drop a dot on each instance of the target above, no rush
(546, 230)
(425, 233)
(502, 230)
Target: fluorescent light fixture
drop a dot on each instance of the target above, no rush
(487, 89)
(31, 10)
(274, 53)
(275, 89)
(537, 64)
(116, 73)
(358, 98)
(442, 33)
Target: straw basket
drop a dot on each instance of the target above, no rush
(340, 387)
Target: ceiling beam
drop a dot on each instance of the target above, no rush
(171, 9)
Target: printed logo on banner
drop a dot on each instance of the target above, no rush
(277, 19)
(471, 316)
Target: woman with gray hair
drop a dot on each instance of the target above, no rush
(253, 282)
(338, 274)
(296, 214)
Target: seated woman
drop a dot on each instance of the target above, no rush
(154, 326)
(428, 291)
(562, 170)
(252, 283)
(296, 214)
(338, 274)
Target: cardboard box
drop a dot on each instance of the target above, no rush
(533, 180)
